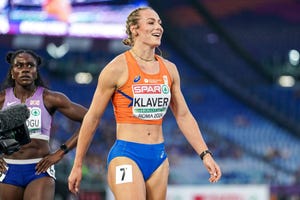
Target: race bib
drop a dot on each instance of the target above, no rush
(124, 174)
(34, 122)
(150, 101)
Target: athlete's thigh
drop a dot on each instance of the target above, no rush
(125, 179)
(41, 188)
(157, 184)
(8, 192)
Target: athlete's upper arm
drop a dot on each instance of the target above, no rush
(109, 79)
(178, 104)
(2, 98)
(54, 100)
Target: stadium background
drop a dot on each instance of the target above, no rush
(239, 65)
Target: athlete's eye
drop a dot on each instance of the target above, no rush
(21, 65)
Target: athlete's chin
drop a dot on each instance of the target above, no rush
(156, 44)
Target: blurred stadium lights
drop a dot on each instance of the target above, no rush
(90, 19)
(3, 4)
(53, 28)
(102, 30)
(294, 57)
(83, 78)
(4, 25)
(57, 51)
(286, 81)
(93, 26)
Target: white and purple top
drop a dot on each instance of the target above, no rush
(39, 121)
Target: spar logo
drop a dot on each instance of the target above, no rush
(150, 89)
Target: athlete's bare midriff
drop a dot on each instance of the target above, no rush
(35, 149)
(140, 133)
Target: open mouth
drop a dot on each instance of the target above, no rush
(156, 35)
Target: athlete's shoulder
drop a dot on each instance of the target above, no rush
(169, 65)
(116, 65)
(53, 94)
(117, 59)
(166, 61)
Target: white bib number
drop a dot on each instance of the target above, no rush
(123, 174)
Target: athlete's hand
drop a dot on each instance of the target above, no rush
(75, 179)
(47, 161)
(3, 166)
(213, 168)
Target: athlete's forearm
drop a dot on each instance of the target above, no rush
(190, 129)
(85, 137)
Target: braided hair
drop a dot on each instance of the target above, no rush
(132, 20)
(10, 57)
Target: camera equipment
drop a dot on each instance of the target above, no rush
(13, 129)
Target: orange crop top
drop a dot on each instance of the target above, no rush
(144, 98)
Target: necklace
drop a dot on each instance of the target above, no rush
(143, 59)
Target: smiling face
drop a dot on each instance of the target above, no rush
(24, 69)
(149, 30)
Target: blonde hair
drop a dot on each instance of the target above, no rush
(132, 20)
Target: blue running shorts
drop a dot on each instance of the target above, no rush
(148, 157)
(21, 172)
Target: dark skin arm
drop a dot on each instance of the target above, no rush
(55, 101)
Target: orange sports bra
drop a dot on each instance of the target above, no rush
(144, 98)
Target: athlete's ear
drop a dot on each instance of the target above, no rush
(133, 30)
